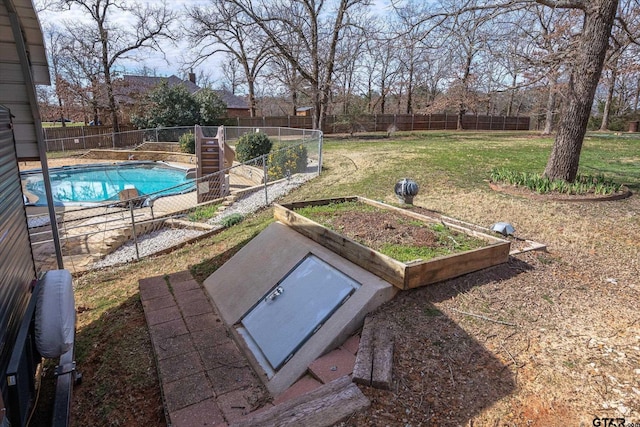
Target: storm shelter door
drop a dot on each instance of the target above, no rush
(296, 308)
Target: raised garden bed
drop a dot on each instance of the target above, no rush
(429, 250)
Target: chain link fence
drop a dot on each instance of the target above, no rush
(133, 225)
(75, 139)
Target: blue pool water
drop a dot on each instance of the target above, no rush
(89, 184)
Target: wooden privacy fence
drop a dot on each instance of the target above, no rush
(97, 137)
(384, 122)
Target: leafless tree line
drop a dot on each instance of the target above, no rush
(352, 57)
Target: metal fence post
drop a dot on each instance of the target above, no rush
(133, 229)
(264, 169)
(319, 152)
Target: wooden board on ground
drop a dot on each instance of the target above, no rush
(401, 275)
(321, 407)
(374, 361)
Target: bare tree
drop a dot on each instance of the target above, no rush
(83, 71)
(114, 41)
(285, 79)
(381, 69)
(591, 49)
(350, 53)
(316, 32)
(55, 45)
(223, 27)
(622, 38)
(469, 35)
(232, 74)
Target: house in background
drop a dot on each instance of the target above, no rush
(304, 111)
(130, 89)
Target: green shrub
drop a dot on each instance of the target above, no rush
(252, 145)
(188, 143)
(583, 184)
(283, 158)
(203, 213)
(232, 219)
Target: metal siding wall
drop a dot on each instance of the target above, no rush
(13, 90)
(17, 269)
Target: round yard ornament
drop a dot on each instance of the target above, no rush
(406, 189)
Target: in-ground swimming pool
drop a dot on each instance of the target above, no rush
(96, 183)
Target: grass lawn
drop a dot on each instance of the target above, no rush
(449, 368)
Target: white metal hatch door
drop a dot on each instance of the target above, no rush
(296, 308)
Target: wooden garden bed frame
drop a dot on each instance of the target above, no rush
(399, 274)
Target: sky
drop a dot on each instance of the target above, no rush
(154, 61)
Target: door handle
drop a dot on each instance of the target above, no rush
(276, 293)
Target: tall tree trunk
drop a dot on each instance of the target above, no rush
(106, 69)
(462, 110)
(294, 101)
(551, 105)
(252, 97)
(383, 95)
(637, 101)
(410, 88)
(461, 113)
(607, 103)
(565, 154)
(512, 95)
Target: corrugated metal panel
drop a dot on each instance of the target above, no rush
(32, 33)
(13, 84)
(17, 268)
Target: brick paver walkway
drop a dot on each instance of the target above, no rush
(205, 378)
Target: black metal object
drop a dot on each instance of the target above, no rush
(20, 374)
(67, 377)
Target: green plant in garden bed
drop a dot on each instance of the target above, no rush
(203, 213)
(446, 240)
(584, 184)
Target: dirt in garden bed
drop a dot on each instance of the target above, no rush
(375, 229)
(396, 235)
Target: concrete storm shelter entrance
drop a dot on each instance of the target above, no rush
(299, 289)
(288, 300)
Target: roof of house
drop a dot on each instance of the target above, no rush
(130, 87)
